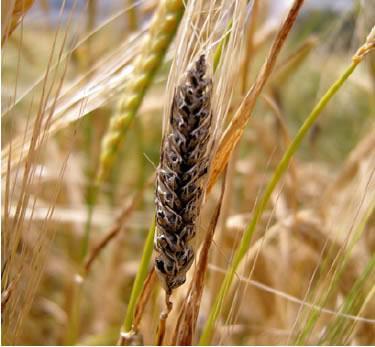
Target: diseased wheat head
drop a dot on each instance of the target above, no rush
(184, 162)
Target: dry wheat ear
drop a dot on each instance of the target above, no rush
(183, 164)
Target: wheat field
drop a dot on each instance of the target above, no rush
(188, 172)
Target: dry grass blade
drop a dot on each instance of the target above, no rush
(237, 125)
(147, 289)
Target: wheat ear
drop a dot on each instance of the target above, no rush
(156, 42)
(183, 164)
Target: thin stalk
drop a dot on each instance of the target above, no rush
(139, 280)
(261, 206)
(72, 330)
(91, 190)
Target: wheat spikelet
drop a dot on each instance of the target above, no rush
(184, 162)
(156, 42)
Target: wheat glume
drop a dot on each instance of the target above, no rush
(183, 164)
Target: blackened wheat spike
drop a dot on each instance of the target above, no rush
(183, 164)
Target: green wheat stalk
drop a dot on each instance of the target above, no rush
(139, 280)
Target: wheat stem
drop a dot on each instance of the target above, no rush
(156, 42)
(139, 279)
(278, 174)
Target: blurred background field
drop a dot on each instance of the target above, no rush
(64, 66)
